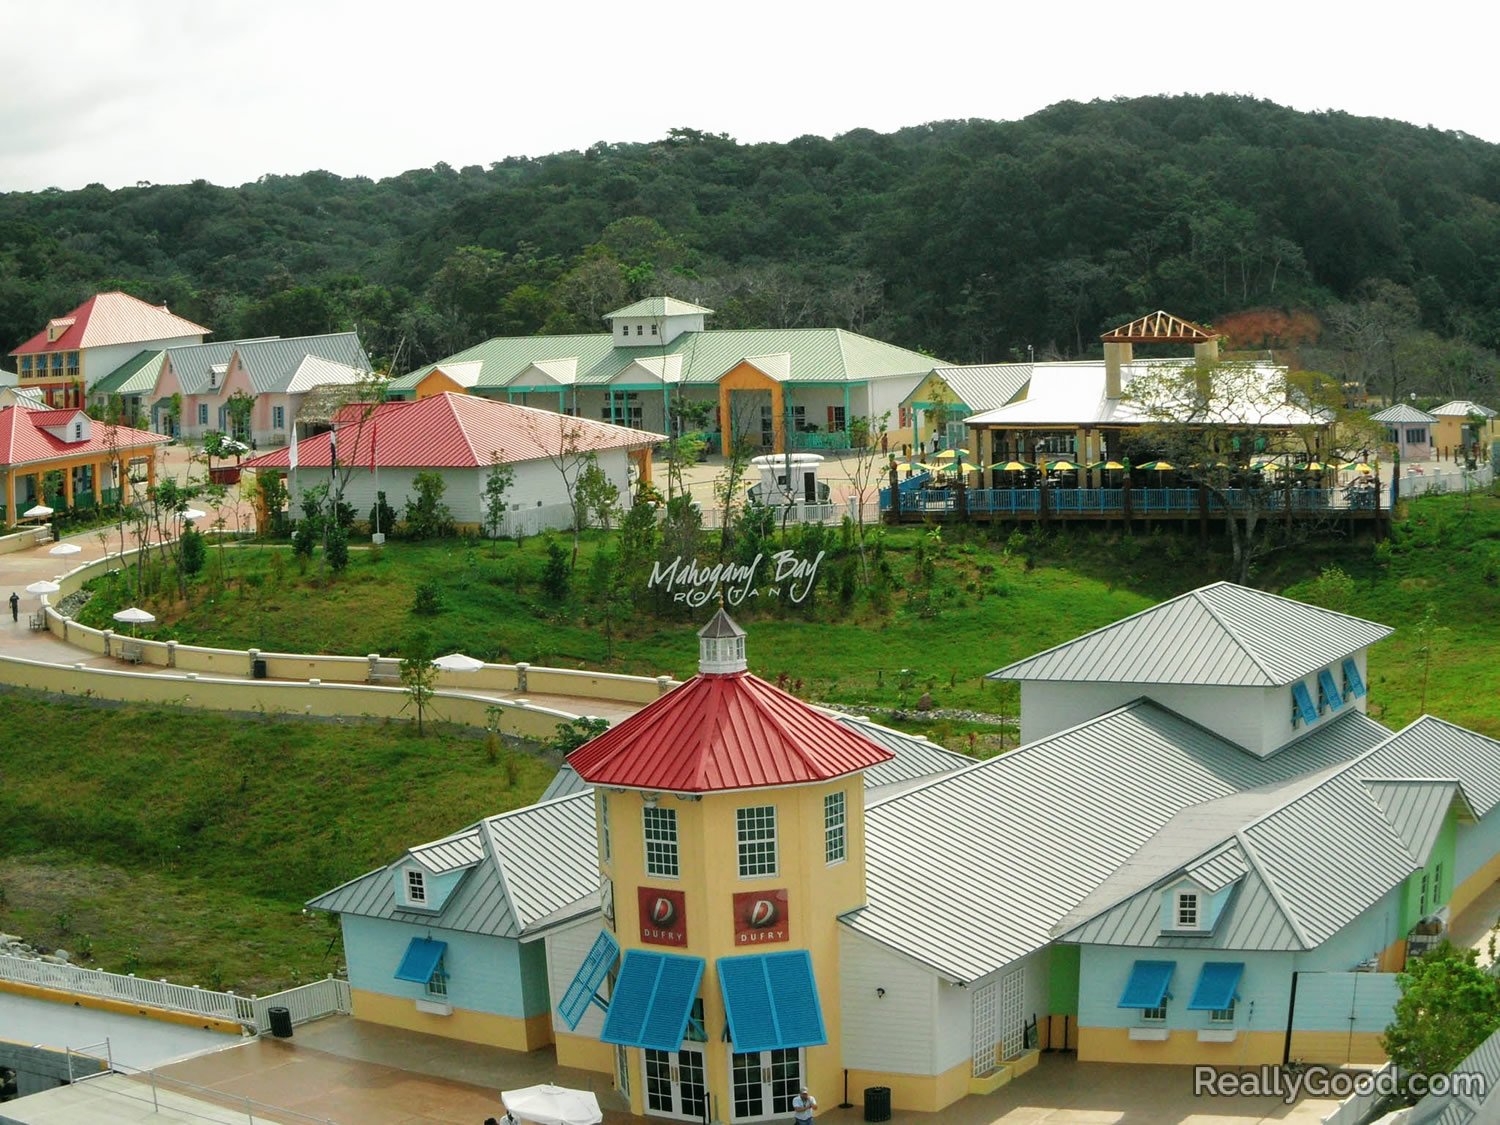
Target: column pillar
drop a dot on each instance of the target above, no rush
(778, 419)
(96, 471)
(67, 475)
(150, 472)
(10, 498)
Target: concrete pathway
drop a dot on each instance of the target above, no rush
(1476, 925)
(134, 1040)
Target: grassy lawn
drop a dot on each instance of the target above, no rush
(183, 845)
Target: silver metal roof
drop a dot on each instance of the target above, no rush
(1463, 408)
(1465, 1108)
(1402, 413)
(983, 386)
(1004, 850)
(1317, 852)
(537, 861)
(565, 783)
(462, 849)
(1223, 635)
(274, 364)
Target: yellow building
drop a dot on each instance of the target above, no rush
(731, 839)
(90, 458)
(1463, 429)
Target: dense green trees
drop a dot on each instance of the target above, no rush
(971, 239)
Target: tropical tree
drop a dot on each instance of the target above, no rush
(497, 482)
(1449, 1005)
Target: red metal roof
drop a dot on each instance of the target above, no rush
(112, 318)
(23, 440)
(720, 732)
(453, 431)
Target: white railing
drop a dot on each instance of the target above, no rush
(1356, 1108)
(305, 1003)
(1455, 480)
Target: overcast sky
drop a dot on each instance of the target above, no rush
(117, 91)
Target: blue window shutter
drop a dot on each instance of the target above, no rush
(422, 957)
(1331, 691)
(1303, 698)
(1351, 673)
(772, 1001)
(1147, 986)
(584, 988)
(652, 1000)
(1218, 982)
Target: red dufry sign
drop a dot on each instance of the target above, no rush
(663, 916)
(760, 916)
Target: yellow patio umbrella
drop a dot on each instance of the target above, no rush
(951, 454)
(1314, 467)
(1062, 467)
(1109, 466)
(962, 465)
(1157, 466)
(1360, 467)
(910, 467)
(1011, 466)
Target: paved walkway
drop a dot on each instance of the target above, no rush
(1475, 927)
(134, 1041)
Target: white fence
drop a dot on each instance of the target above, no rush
(305, 1003)
(1414, 483)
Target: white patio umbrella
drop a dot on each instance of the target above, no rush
(43, 586)
(65, 549)
(40, 512)
(134, 617)
(553, 1105)
(193, 514)
(458, 662)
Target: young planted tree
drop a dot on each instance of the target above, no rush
(1448, 1007)
(868, 440)
(598, 496)
(239, 407)
(427, 516)
(419, 678)
(497, 482)
(559, 439)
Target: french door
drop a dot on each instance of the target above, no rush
(675, 1085)
(762, 1084)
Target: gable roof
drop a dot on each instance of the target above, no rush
(658, 306)
(136, 376)
(1008, 847)
(982, 386)
(1463, 408)
(274, 365)
(1401, 413)
(1221, 634)
(112, 318)
(455, 431)
(722, 732)
(23, 440)
(1317, 852)
(525, 868)
(813, 355)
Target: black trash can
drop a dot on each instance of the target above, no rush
(281, 1027)
(877, 1103)
(258, 669)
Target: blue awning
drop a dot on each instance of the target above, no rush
(421, 960)
(771, 1000)
(1147, 986)
(1303, 699)
(1331, 691)
(652, 1000)
(584, 988)
(1351, 674)
(1217, 985)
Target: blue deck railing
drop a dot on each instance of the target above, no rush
(1111, 501)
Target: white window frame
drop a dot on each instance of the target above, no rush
(659, 828)
(605, 841)
(203, 414)
(437, 984)
(1158, 1014)
(1188, 903)
(835, 828)
(415, 885)
(1223, 1015)
(755, 842)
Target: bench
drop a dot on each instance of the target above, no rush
(132, 652)
(386, 672)
(38, 621)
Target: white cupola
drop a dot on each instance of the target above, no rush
(721, 646)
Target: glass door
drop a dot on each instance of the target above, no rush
(675, 1085)
(763, 1084)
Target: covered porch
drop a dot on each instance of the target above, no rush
(83, 482)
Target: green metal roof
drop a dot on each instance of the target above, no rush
(658, 306)
(812, 355)
(136, 376)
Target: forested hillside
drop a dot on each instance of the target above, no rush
(969, 239)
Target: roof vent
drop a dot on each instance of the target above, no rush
(721, 646)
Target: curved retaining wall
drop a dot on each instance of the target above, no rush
(302, 683)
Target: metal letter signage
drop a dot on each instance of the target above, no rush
(694, 584)
(760, 917)
(663, 916)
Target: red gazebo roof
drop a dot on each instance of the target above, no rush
(722, 732)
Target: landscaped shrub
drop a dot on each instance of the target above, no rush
(427, 517)
(557, 574)
(428, 600)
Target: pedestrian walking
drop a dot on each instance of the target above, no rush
(804, 1107)
(15, 607)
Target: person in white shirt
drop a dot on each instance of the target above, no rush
(804, 1105)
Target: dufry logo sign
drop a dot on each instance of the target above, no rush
(760, 917)
(695, 584)
(663, 916)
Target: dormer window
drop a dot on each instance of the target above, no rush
(416, 888)
(1186, 913)
(77, 431)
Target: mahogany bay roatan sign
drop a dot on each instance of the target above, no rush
(695, 583)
